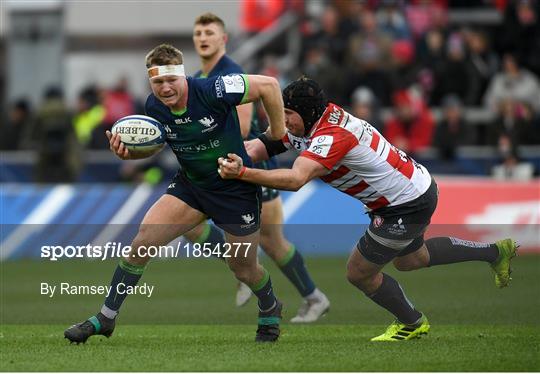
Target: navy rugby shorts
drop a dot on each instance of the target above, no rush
(236, 211)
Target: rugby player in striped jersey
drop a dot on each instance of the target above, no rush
(400, 195)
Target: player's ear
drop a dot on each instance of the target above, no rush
(225, 38)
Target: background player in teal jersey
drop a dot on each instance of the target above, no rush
(210, 38)
(200, 118)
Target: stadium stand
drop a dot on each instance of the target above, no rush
(428, 61)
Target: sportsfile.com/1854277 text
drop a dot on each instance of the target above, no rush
(117, 250)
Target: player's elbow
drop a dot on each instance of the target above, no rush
(278, 133)
(271, 87)
(273, 84)
(267, 85)
(294, 187)
(297, 182)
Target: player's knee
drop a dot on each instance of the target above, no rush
(196, 233)
(139, 249)
(272, 253)
(404, 265)
(359, 277)
(414, 261)
(276, 248)
(243, 274)
(352, 277)
(192, 235)
(241, 270)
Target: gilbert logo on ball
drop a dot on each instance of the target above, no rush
(140, 133)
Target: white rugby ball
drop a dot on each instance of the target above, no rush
(140, 133)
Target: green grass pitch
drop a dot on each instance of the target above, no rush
(191, 324)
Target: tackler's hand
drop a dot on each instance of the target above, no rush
(231, 167)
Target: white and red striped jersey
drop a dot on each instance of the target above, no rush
(361, 161)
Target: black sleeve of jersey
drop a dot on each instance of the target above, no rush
(273, 147)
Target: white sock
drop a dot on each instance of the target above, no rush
(108, 312)
(315, 295)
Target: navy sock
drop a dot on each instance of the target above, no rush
(448, 250)
(392, 298)
(126, 274)
(214, 236)
(295, 270)
(264, 292)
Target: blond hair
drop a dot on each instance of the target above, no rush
(208, 18)
(164, 54)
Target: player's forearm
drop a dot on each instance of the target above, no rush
(281, 179)
(273, 104)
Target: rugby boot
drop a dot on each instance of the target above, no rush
(312, 309)
(398, 331)
(95, 325)
(268, 324)
(501, 267)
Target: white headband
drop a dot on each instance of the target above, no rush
(159, 71)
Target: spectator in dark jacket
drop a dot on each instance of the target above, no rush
(58, 149)
(452, 130)
(364, 105)
(17, 130)
(521, 32)
(455, 75)
(483, 62)
(318, 66)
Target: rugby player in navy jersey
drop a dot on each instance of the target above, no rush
(201, 122)
(210, 39)
(350, 155)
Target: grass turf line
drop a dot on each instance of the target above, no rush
(190, 324)
(302, 348)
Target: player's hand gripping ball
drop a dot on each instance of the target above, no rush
(140, 133)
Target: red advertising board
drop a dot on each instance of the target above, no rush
(488, 210)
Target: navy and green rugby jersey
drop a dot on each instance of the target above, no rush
(207, 129)
(226, 66)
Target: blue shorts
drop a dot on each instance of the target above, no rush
(268, 194)
(236, 211)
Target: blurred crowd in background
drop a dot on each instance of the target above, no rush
(389, 62)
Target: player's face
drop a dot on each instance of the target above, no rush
(168, 89)
(294, 123)
(209, 39)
